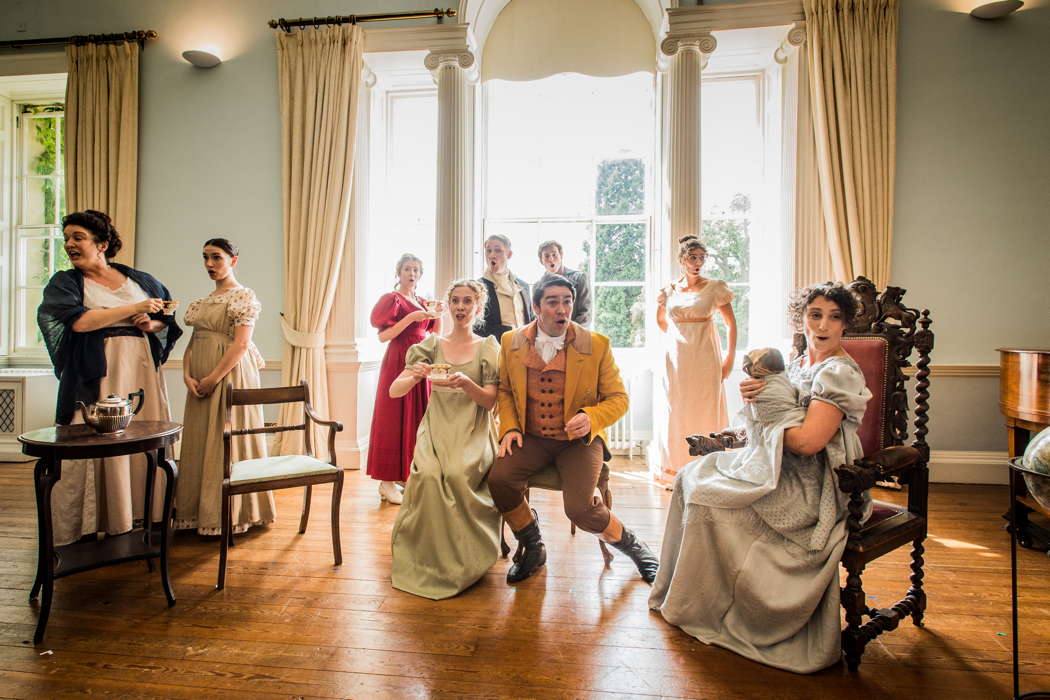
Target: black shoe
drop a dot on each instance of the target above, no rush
(533, 553)
(640, 554)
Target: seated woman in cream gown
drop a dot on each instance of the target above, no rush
(446, 535)
(751, 547)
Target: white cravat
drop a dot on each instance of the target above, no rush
(549, 345)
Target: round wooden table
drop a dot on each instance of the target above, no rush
(51, 446)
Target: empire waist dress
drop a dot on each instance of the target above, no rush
(394, 421)
(693, 399)
(198, 498)
(446, 535)
(106, 495)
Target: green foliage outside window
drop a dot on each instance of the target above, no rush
(620, 254)
(621, 315)
(621, 187)
(726, 236)
(45, 134)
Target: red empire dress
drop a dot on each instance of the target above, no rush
(395, 421)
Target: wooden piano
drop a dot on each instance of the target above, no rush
(1024, 398)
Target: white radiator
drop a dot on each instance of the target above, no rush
(621, 434)
(27, 402)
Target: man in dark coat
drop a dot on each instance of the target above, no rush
(551, 256)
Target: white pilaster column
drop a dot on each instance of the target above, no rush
(455, 164)
(688, 58)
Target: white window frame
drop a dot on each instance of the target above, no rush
(16, 91)
(648, 284)
(390, 76)
(31, 232)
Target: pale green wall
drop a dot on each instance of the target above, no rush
(972, 234)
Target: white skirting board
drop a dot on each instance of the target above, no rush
(968, 467)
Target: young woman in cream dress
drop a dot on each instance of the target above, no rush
(221, 352)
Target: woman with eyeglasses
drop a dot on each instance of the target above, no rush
(694, 363)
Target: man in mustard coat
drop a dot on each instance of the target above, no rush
(559, 388)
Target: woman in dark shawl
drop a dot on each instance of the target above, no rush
(107, 332)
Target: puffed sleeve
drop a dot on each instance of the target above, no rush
(841, 384)
(422, 351)
(489, 361)
(723, 294)
(243, 307)
(386, 311)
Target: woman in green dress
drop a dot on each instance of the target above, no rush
(446, 535)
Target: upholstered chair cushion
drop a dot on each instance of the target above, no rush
(881, 512)
(265, 468)
(872, 354)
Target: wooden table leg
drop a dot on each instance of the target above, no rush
(172, 471)
(147, 508)
(48, 472)
(41, 555)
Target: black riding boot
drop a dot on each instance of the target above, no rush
(639, 553)
(533, 555)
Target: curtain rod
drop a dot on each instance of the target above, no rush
(287, 24)
(139, 36)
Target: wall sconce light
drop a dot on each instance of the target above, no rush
(201, 59)
(995, 10)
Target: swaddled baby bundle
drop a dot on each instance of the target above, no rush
(754, 470)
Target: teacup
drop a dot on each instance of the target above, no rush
(439, 371)
(169, 306)
(432, 306)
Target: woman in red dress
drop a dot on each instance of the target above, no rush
(403, 319)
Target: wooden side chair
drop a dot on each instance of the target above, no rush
(277, 472)
(549, 479)
(882, 338)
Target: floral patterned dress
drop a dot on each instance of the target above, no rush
(198, 498)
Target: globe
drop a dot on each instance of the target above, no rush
(1037, 458)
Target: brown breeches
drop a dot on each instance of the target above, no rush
(579, 466)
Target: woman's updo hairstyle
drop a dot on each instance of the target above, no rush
(689, 243)
(834, 292)
(479, 291)
(407, 258)
(100, 226)
(225, 245)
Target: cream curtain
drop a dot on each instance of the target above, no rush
(318, 72)
(852, 50)
(812, 259)
(102, 135)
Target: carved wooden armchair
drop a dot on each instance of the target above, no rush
(881, 338)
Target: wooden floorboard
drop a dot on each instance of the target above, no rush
(289, 624)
